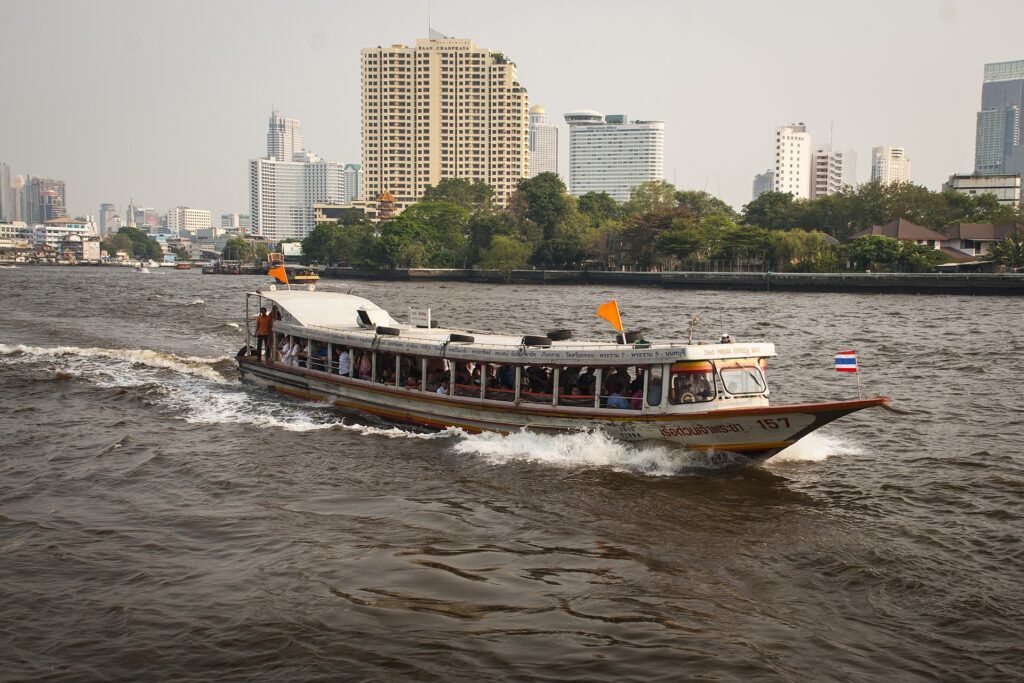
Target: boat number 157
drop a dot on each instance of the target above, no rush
(774, 424)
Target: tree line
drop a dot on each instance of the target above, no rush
(457, 225)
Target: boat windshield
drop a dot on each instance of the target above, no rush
(692, 382)
(742, 377)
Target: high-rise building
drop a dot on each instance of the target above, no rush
(613, 154)
(186, 218)
(239, 222)
(108, 212)
(44, 200)
(6, 196)
(282, 194)
(850, 168)
(826, 171)
(890, 165)
(998, 144)
(792, 169)
(284, 137)
(353, 183)
(763, 182)
(543, 142)
(1005, 187)
(445, 108)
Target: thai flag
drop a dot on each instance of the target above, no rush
(846, 361)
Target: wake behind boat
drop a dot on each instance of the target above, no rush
(328, 346)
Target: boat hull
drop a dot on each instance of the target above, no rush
(755, 432)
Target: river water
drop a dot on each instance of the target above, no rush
(158, 519)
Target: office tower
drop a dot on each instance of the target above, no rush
(284, 137)
(146, 219)
(282, 194)
(613, 154)
(792, 170)
(763, 182)
(826, 171)
(353, 183)
(889, 165)
(850, 168)
(185, 218)
(543, 142)
(108, 212)
(238, 222)
(6, 196)
(44, 200)
(998, 144)
(1006, 187)
(445, 108)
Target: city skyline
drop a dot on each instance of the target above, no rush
(684, 69)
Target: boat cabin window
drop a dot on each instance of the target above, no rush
(386, 369)
(691, 382)
(741, 377)
(438, 376)
(501, 382)
(362, 364)
(536, 384)
(467, 378)
(622, 387)
(654, 385)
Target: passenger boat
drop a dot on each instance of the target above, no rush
(182, 265)
(346, 350)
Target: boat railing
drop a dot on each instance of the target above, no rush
(562, 346)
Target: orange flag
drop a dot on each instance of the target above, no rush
(609, 310)
(279, 274)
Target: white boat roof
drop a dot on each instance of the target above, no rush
(334, 316)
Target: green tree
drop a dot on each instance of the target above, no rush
(772, 210)
(504, 253)
(544, 201)
(701, 205)
(680, 242)
(426, 235)
(241, 249)
(181, 253)
(598, 207)
(564, 251)
(1009, 251)
(473, 195)
(650, 196)
(135, 242)
(321, 245)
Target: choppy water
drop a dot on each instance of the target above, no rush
(159, 520)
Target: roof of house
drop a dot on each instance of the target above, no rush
(902, 229)
(957, 255)
(982, 231)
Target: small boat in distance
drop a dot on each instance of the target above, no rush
(182, 265)
(345, 349)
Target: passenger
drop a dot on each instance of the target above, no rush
(586, 382)
(286, 351)
(412, 382)
(264, 329)
(617, 400)
(344, 361)
(618, 380)
(442, 389)
(506, 377)
(726, 339)
(436, 379)
(476, 375)
(703, 389)
(365, 369)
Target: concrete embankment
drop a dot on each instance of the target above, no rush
(1010, 284)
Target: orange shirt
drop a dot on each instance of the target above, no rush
(264, 325)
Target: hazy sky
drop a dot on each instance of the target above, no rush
(167, 101)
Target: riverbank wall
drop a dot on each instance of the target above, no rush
(1007, 284)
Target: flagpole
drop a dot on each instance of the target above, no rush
(859, 394)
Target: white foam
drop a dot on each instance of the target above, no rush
(197, 302)
(188, 365)
(816, 447)
(589, 449)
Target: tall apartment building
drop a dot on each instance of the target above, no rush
(543, 143)
(445, 108)
(186, 218)
(1005, 187)
(107, 219)
(850, 168)
(613, 154)
(284, 137)
(763, 182)
(282, 194)
(353, 183)
(6, 196)
(792, 169)
(826, 171)
(236, 222)
(44, 200)
(998, 146)
(890, 165)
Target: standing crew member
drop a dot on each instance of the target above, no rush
(264, 329)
